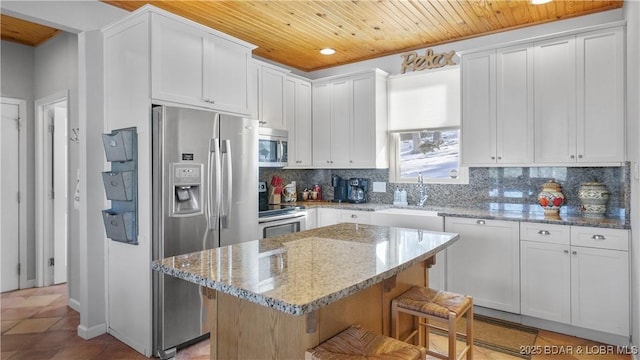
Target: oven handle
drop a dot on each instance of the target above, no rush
(281, 219)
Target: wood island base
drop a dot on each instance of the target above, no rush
(244, 330)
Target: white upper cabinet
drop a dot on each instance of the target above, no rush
(350, 121)
(298, 119)
(497, 108)
(514, 115)
(600, 111)
(579, 86)
(479, 108)
(193, 66)
(272, 98)
(553, 102)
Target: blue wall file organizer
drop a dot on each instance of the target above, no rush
(121, 185)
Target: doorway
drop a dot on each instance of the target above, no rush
(13, 191)
(52, 184)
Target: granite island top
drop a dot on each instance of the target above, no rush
(304, 271)
(495, 211)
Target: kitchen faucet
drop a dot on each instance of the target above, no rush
(423, 191)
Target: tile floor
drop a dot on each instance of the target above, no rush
(37, 324)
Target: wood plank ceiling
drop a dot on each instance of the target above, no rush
(24, 32)
(292, 32)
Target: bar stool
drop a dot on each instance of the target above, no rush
(356, 342)
(428, 304)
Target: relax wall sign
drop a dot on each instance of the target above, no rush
(413, 62)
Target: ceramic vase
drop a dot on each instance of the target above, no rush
(551, 198)
(593, 197)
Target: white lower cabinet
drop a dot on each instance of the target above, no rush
(485, 262)
(327, 217)
(576, 275)
(312, 219)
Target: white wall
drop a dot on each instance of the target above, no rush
(17, 81)
(632, 14)
(56, 70)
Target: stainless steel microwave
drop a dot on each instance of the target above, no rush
(273, 147)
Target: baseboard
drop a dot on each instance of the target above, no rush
(89, 333)
(74, 304)
(30, 283)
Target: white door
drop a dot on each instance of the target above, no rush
(9, 183)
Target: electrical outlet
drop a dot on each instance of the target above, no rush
(379, 186)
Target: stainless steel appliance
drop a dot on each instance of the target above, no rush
(203, 165)
(280, 219)
(339, 188)
(357, 190)
(273, 147)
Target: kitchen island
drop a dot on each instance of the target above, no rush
(275, 298)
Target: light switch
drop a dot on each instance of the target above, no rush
(379, 186)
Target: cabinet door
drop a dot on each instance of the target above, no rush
(514, 115)
(253, 93)
(312, 219)
(485, 262)
(600, 126)
(555, 101)
(328, 217)
(321, 125)
(289, 115)
(600, 289)
(227, 76)
(363, 129)
(341, 116)
(273, 98)
(303, 135)
(479, 108)
(178, 62)
(545, 274)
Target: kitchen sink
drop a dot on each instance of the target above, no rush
(404, 211)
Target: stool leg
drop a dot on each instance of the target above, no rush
(470, 332)
(426, 333)
(395, 328)
(452, 336)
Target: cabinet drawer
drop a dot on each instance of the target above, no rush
(358, 217)
(546, 233)
(614, 239)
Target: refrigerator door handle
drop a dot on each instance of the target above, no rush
(226, 209)
(214, 202)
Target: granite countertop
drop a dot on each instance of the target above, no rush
(494, 211)
(304, 271)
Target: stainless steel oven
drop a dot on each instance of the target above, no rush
(276, 225)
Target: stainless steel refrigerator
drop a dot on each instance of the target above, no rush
(205, 181)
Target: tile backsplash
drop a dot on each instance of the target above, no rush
(512, 185)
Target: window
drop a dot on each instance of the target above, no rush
(424, 123)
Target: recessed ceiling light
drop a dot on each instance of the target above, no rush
(327, 51)
(539, 2)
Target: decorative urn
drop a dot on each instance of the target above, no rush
(593, 197)
(551, 198)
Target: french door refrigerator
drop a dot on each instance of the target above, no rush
(205, 181)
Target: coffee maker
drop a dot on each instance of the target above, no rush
(339, 185)
(357, 190)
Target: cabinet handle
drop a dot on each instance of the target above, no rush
(566, 251)
(499, 157)
(328, 162)
(262, 122)
(544, 232)
(480, 222)
(493, 158)
(598, 237)
(354, 216)
(572, 156)
(574, 252)
(579, 156)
